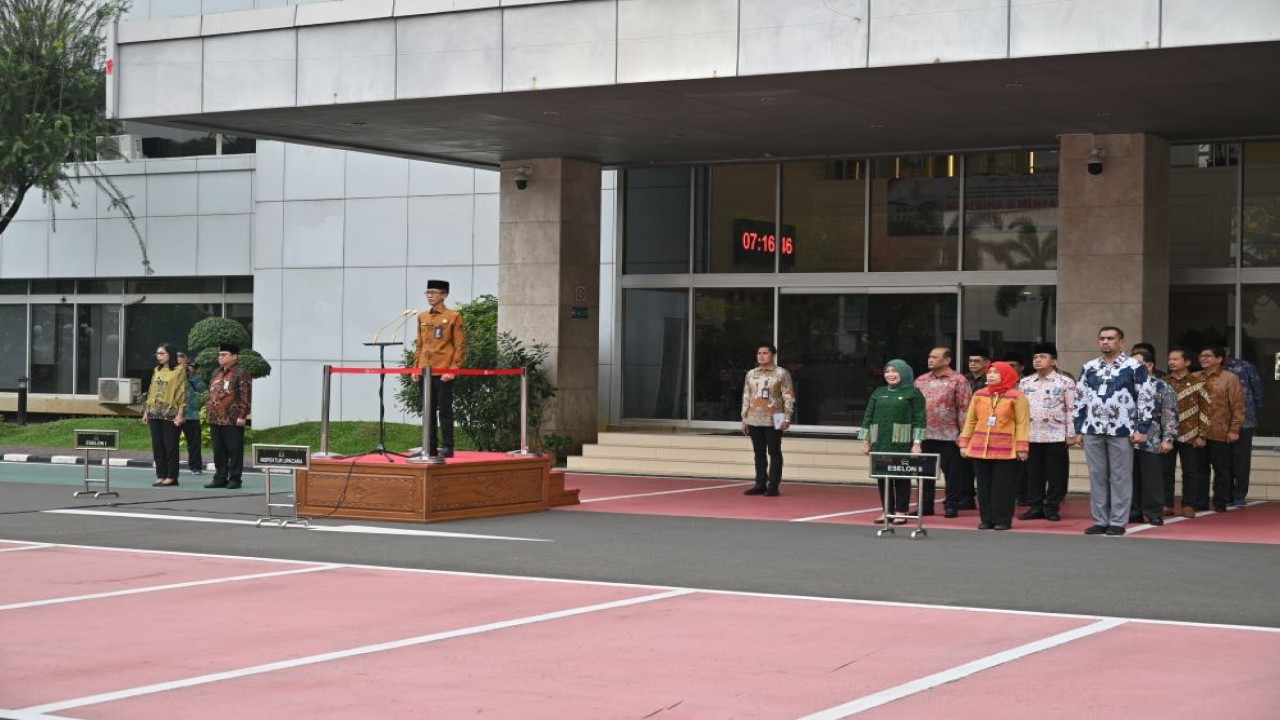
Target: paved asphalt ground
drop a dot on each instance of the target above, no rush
(1231, 583)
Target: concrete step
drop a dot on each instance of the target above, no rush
(807, 460)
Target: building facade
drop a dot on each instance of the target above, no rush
(654, 186)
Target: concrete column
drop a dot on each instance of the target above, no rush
(1113, 246)
(549, 280)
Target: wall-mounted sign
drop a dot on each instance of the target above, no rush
(579, 313)
(291, 457)
(97, 439)
(904, 465)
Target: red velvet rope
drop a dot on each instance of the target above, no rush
(419, 371)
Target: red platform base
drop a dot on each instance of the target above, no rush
(472, 485)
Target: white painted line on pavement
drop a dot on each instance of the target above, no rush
(313, 528)
(159, 588)
(839, 514)
(1183, 518)
(666, 492)
(350, 652)
(959, 672)
(35, 546)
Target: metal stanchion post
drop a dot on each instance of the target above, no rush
(524, 418)
(324, 414)
(424, 455)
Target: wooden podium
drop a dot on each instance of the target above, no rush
(488, 486)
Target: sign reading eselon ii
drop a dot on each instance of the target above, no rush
(904, 465)
(290, 457)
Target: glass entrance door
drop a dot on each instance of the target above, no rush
(836, 345)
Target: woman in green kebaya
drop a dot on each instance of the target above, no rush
(894, 422)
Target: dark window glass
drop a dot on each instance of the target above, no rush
(1262, 204)
(1202, 205)
(175, 285)
(53, 287)
(823, 216)
(656, 226)
(13, 345)
(232, 145)
(1011, 210)
(1200, 315)
(101, 287)
(737, 219)
(1260, 345)
(97, 345)
(241, 312)
(915, 213)
(1007, 320)
(149, 325)
(242, 284)
(729, 325)
(13, 287)
(53, 333)
(655, 364)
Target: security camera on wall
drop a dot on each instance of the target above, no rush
(522, 177)
(1095, 161)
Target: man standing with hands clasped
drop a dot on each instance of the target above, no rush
(442, 344)
(230, 402)
(768, 400)
(1114, 400)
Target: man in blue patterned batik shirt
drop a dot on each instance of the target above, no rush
(1113, 412)
(1242, 450)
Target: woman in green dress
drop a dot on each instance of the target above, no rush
(894, 422)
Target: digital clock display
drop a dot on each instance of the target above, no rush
(756, 242)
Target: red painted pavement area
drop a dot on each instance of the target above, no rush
(708, 498)
(53, 572)
(76, 649)
(1133, 671)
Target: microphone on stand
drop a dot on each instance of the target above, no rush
(398, 319)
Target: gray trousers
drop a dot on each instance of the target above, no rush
(1110, 461)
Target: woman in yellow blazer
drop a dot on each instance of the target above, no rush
(996, 437)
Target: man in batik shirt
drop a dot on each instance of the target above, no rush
(1052, 396)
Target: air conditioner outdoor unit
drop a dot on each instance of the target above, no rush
(118, 391)
(120, 147)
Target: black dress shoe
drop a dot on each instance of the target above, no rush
(757, 490)
(772, 492)
(233, 486)
(950, 512)
(1000, 527)
(1095, 530)
(1035, 513)
(446, 453)
(1051, 514)
(216, 484)
(1157, 520)
(1220, 508)
(1115, 531)
(984, 526)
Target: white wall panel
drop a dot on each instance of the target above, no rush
(226, 193)
(484, 280)
(160, 78)
(608, 217)
(427, 178)
(485, 230)
(440, 230)
(268, 300)
(487, 181)
(371, 298)
(313, 231)
(802, 35)
(313, 173)
(225, 245)
(268, 175)
(24, 250)
(172, 244)
(118, 251)
(561, 45)
(268, 236)
(251, 70)
(79, 200)
(1195, 22)
(133, 188)
(174, 8)
(72, 248)
(920, 32)
(300, 391)
(172, 194)
(312, 308)
(350, 62)
(376, 232)
(449, 54)
(211, 7)
(676, 39)
(370, 176)
(1061, 27)
(459, 278)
